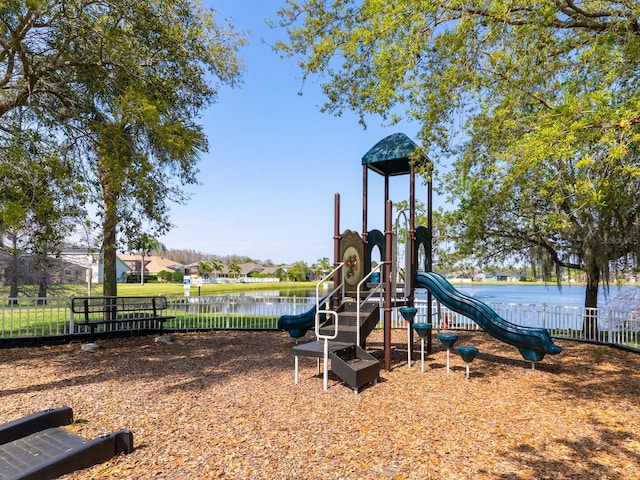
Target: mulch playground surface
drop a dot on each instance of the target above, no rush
(224, 405)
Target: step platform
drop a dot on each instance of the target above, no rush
(316, 348)
(354, 366)
(350, 363)
(34, 448)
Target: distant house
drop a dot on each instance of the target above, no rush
(82, 260)
(479, 277)
(78, 256)
(69, 267)
(126, 265)
(192, 270)
(122, 270)
(458, 277)
(508, 277)
(250, 269)
(153, 264)
(247, 271)
(273, 271)
(92, 265)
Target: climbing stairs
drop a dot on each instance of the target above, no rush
(349, 322)
(349, 361)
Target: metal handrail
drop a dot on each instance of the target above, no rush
(326, 338)
(330, 295)
(336, 287)
(371, 292)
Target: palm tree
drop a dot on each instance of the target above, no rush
(204, 269)
(325, 265)
(235, 269)
(146, 245)
(216, 266)
(321, 267)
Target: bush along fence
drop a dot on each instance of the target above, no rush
(26, 321)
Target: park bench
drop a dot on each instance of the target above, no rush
(108, 311)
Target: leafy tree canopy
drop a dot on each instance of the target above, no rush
(38, 200)
(123, 82)
(537, 102)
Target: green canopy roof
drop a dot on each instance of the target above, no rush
(391, 155)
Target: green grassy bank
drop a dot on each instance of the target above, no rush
(156, 288)
(133, 289)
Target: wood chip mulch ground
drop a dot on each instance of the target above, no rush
(224, 405)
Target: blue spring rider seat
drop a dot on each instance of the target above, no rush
(408, 313)
(468, 354)
(422, 329)
(448, 340)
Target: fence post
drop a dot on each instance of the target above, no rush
(72, 323)
(228, 308)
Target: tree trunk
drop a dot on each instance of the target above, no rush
(110, 285)
(14, 269)
(42, 287)
(590, 322)
(43, 266)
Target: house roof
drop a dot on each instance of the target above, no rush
(193, 267)
(79, 257)
(273, 270)
(249, 268)
(153, 263)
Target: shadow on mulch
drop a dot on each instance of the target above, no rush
(581, 460)
(223, 355)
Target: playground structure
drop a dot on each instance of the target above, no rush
(348, 313)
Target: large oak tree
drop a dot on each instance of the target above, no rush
(537, 103)
(123, 82)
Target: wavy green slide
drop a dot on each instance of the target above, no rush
(297, 325)
(533, 343)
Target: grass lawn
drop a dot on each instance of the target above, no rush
(27, 318)
(156, 288)
(133, 289)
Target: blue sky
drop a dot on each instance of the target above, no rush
(275, 161)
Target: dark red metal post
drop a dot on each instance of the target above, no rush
(411, 274)
(429, 265)
(386, 199)
(336, 243)
(365, 203)
(387, 284)
(412, 234)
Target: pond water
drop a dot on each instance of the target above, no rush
(567, 295)
(550, 294)
(277, 302)
(529, 305)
